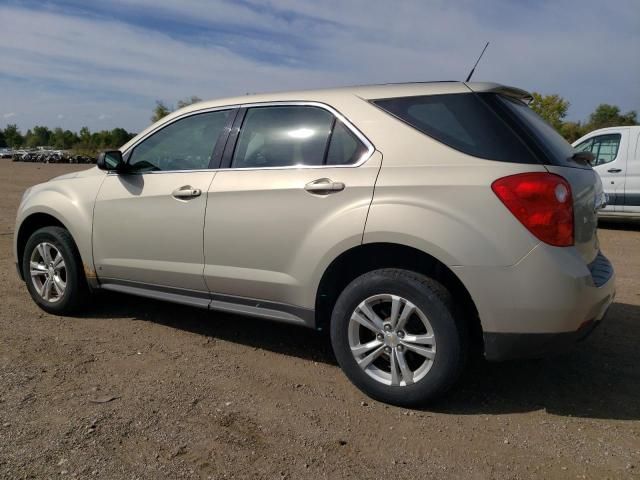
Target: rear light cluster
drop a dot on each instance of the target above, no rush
(542, 202)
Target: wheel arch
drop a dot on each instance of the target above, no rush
(371, 256)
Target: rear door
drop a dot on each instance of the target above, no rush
(610, 162)
(295, 192)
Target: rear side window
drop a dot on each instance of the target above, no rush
(284, 136)
(293, 136)
(345, 148)
(462, 121)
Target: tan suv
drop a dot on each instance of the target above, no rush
(415, 222)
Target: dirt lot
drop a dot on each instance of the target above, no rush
(193, 394)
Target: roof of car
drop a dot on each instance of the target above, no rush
(367, 92)
(332, 95)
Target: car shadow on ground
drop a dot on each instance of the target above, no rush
(597, 378)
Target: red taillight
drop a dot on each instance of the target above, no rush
(542, 202)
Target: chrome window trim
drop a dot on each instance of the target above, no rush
(365, 156)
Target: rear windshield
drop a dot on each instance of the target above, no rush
(485, 125)
(549, 145)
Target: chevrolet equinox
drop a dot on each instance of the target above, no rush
(415, 222)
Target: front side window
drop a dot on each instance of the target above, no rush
(604, 148)
(185, 144)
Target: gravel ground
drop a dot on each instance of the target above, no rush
(141, 389)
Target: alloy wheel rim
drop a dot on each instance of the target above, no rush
(48, 272)
(392, 340)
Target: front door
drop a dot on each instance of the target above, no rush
(149, 220)
(610, 162)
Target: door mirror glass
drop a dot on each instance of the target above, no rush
(110, 160)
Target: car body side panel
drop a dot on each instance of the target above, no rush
(632, 184)
(449, 212)
(70, 199)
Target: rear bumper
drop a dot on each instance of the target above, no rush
(510, 346)
(545, 302)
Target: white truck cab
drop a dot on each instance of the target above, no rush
(616, 152)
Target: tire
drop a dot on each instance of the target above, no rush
(429, 327)
(56, 241)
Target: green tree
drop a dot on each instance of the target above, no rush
(572, 131)
(85, 136)
(13, 137)
(160, 111)
(553, 108)
(606, 115)
(188, 101)
(119, 136)
(3, 141)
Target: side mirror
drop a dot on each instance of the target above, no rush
(584, 157)
(110, 160)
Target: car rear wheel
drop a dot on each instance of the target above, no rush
(53, 272)
(395, 336)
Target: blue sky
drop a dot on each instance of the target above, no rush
(103, 64)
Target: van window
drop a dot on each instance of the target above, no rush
(604, 147)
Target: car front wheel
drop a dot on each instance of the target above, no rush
(53, 271)
(395, 336)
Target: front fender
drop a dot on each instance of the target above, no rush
(71, 202)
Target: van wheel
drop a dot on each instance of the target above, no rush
(53, 271)
(395, 336)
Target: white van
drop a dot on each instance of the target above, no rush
(616, 152)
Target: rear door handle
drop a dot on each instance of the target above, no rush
(324, 186)
(186, 191)
(614, 170)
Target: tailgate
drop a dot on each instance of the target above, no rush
(586, 188)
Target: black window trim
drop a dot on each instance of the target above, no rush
(228, 140)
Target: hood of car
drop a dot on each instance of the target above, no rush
(91, 172)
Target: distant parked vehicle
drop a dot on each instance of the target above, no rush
(616, 152)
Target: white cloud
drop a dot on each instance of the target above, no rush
(85, 65)
(9, 115)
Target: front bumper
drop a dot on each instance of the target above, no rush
(545, 302)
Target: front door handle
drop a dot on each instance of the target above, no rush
(614, 170)
(324, 186)
(185, 192)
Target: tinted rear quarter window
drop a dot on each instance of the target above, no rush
(549, 145)
(462, 121)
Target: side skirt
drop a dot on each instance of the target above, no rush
(279, 312)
